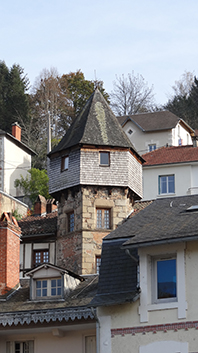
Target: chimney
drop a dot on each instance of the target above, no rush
(40, 206)
(9, 253)
(16, 131)
(51, 205)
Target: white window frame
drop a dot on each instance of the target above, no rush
(64, 163)
(154, 294)
(146, 297)
(167, 184)
(49, 288)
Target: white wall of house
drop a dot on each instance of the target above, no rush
(52, 339)
(163, 324)
(186, 179)
(141, 140)
(16, 163)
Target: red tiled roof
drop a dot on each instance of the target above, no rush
(169, 155)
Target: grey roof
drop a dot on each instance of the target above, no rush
(17, 308)
(96, 125)
(164, 220)
(118, 275)
(156, 121)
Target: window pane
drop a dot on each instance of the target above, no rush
(99, 218)
(163, 185)
(166, 279)
(104, 158)
(71, 222)
(171, 184)
(106, 219)
(66, 162)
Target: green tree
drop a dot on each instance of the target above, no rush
(185, 101)
(78, 90)
(35, 183)
(14, 101)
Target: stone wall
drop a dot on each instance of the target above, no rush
(77, 250)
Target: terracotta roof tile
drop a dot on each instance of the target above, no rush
(169, 155)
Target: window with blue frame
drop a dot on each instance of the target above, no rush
(152, 147)
(167, 184)
(166, 278)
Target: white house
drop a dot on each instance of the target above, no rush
(149, 131)
(147, 287)
(170, 171)
(15, 160)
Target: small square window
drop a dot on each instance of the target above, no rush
(152, 147)
(130, 132)
(103, 218)
(104, 158)
(70, 221)
(64, 163)
(166, 184)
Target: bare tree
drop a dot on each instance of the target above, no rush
(131, 95)
(183, 86)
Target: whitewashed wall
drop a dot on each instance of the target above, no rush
(186, 179)
(16, 163)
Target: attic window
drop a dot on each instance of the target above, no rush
(64, 163)
(48, 288)
(104, 158)
(130, 132)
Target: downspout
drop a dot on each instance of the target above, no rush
(94, 312)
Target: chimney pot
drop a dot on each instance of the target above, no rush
(16, 131)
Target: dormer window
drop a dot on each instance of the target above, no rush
(48, 288)
(50, 282)
(105, 158)
(64, 163)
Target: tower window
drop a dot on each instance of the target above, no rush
(103, 218)
(104, 158)
(70, 221)
(64, 163)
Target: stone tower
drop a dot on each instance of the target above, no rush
(96, 175)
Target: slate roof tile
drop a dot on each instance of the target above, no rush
(156, 121)
(95, 125)
(163, 220)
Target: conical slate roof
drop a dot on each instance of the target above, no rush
(95, 125)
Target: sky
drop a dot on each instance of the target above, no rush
(105, 38)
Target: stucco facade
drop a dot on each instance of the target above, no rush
(162, 329)
(141, 140)
(185, 174)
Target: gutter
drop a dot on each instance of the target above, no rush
(159, 242)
